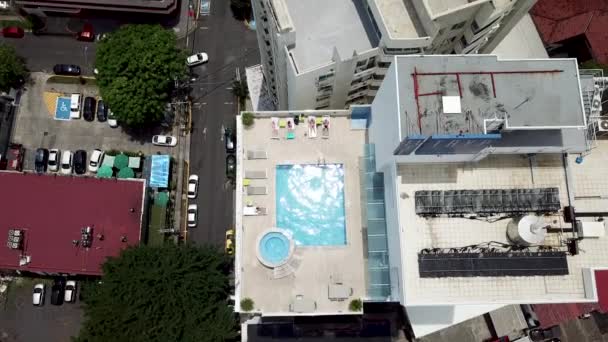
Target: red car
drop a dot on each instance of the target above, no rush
(13, 32)
(86, 34)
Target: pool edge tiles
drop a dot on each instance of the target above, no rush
(310, 203)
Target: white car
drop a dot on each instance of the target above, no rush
(70, 291)
(192, 215)
(54, 158)
(164, 140)
(66, 162)
(197, 59)
(96, 160)
(192, 186)
(38, 295)
(112, 119)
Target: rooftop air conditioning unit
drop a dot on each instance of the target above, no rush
(596, 103)
(602, 125)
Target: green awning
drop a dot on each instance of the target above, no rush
(121, 161)
(161, 199)
(126, 172)
(105, 171)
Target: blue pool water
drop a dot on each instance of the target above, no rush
(310, 203)
(274, 247)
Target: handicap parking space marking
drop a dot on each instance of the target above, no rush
(62, 108)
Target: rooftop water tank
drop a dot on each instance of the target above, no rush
(527, 230)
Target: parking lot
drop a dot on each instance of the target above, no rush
(35, 124)
(22, 321)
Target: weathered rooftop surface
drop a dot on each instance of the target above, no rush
(400, 19)
(440, 6)
(342, 24)
(313, 266)
(52, 210)
(526, 94)
(499, 172)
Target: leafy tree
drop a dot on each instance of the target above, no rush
(592, 64)
(12, 67)
(165, 293)
(240, 90)
(137, 65)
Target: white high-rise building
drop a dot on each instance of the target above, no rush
(320, 54)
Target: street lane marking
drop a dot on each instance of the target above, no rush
(228, 103)
(229, 88)
(203, 28)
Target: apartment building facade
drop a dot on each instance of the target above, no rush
(338, 56)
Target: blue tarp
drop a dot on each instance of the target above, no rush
(159, 171)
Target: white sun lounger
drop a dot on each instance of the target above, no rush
(256, 174)
(312, 127)
(275, 127)
(257, 154)
(325, 127)
(257, 190)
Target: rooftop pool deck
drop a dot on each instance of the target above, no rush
(311, 269)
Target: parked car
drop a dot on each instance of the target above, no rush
(164, 140)
(41, 160)
(192, 186)
(230, 242)
(231, 166)
(192, 215)
(112, 119)
(96, 160)
(80, 162)
(57, 292)
(102, 111)
(66, 162)
(229, 140)
(54, 159)
(89, 108)
(75, 106)
(66, 70)
(70, 291)
(13, 32)
(38, 295)
(197, 59)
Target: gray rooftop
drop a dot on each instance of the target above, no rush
(439, 6)
(527, 94)
(400, 19)
(342, 24)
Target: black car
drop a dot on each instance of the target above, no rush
(42, 158)
(231, 166)
(80, 162)
(102, 111)
(89, 108)
(57, 292)
(229, 139)
(66, 69)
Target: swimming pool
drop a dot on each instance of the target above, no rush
(274, 247)
(310, 203)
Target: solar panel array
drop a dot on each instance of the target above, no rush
(442, 265)
(487, 201)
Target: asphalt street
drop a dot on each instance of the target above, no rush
(230, 45)
(41, 53)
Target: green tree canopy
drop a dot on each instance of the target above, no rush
(12, 67)
(165, 293)
(137, 65)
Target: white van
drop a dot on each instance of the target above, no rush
(75, 106)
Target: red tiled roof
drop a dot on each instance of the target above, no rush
(557, 20)
(553, 314)
(53, 209)
(601, 282)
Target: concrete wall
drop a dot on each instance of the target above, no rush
(520, 9)
(384, 128)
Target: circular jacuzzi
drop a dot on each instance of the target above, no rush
(274, 247)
